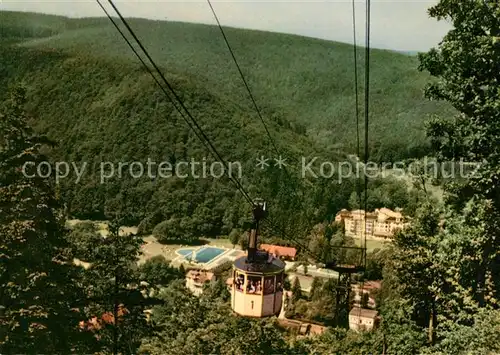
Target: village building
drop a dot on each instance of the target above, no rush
(302, 328)
(196, 279)
(361, 319)
(97, 323)
(383, 223)
(284, 253)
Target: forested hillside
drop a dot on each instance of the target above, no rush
(305, 81)
(89, 94)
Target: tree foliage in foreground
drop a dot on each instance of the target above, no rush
(39, 288)
(466, 67)
(204, 325)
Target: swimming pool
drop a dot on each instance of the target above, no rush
(201, 255)
(185, 252)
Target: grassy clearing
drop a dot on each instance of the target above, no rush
(372, 244)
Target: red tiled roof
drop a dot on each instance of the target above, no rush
(200, 276)
(108, 318)
(279, 250)
(371, 285)
(317, 329)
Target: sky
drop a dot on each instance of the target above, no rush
(398, 24)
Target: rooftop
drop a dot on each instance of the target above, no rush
(96, 323)
(368, 285)
(363, 312)
(381, 214)
(265, 267)
(279, 250)
(200, 276)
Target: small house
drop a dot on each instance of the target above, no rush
(361, 319)
(195, 279)
(286, 253)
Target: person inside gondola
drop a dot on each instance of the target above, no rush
(258, 287)
(240, 280)
(251, 287)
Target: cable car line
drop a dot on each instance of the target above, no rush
(201, 135)
(173, 102)
(213, 151)
(367, 104)
(356, 94)
(367, 116)
(259, 113)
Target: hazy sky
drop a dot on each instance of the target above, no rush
(399, 25)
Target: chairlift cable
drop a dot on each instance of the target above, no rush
(213, 151)
(367, 107)
(356, 94)
(367, 116)
(252, 98)
(168, 96)
(200, 134)
(247, 86)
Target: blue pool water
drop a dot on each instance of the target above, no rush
(184, 252)
(202, 255)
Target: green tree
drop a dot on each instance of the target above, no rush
(234, 236)
(286, 283)
(296, 290)
(205, 325)
(316, 287)
(365, 297)
(415, 268)
(182, 270)
(483, 337)
(341, 341)
(157, 272)
(217, 290)
(319, 241)
(467, 75)
(244, 241)
(375, 263)
(39, 285)
(113, 284)
(81, 238)
(175, 230)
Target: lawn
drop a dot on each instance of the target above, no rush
(372, 244)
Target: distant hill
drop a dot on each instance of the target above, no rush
(87, 91)
(309, 81)
(412, 53)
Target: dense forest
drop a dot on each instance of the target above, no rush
(441, 275)
(101, 106)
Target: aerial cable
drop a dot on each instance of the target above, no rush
(356, 75)
(201, 135)
(356, 94)
(367, 107)
(250, 94)
(243, 77)
(367, 116)
(213, 151)
(298, 243)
